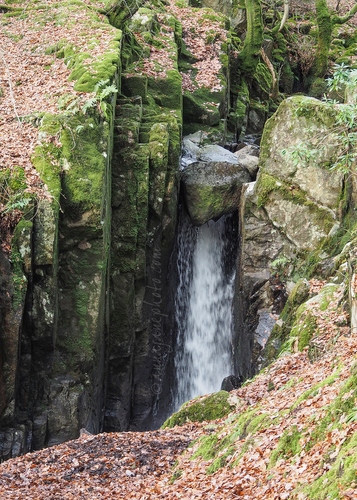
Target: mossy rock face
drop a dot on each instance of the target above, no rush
(296, 186)
(198, 108)
(307, 324)
(167, 91)
(262, 81)
(304, 328)
(304, 223)
(205, 409)
(303, 124)
(21, 259)
(84, 160)
(296, 202)
(135, 85)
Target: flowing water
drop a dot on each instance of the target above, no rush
(204, 304)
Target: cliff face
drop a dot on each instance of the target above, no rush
(86, 302)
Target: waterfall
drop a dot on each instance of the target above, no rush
(203, 306)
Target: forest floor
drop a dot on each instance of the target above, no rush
(291, 433)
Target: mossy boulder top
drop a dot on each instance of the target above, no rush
(212, 189)
(300, 145)
(298, 185)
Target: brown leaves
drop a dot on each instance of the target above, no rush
(112, 465)
(142, 465)
(32, 80)
(203, 37)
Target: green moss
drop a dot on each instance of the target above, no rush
(281, 330)
(341, 470)
(12, 190)
(288, 446)
(238, 427)
(346, 233)
(47, 161)
(249, 55)
(84, 166)
(135, 85)
(176, 475)
(265, 185)
(21, 240)
(263, 78)
(210, 408)
(220, 461)
(82, 280)
(210, 198)
(325, 26)
(250, 422)
(340, 474)
(131, 189)
(304, 328)
(202, 106)
(122, 10)
(287, 79)
(208, 447)
(315, 388)
(167, 91)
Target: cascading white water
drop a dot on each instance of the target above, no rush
(203, 310)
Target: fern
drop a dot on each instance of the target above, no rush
(16, 205)
(111, 89)
(90, 103)
(100, 85)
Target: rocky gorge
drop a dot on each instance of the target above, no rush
(88, 287)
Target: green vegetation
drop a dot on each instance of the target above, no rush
(288, 446)
(13, 194)
(20, 256)
(249, 55)
(209, 408)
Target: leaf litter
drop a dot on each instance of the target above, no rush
(294, 392)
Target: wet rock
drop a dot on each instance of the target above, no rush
(215, 153)
(230, 383)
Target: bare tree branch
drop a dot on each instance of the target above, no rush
(274, 93)
(347, 17)
(10, 86)
(285, 15)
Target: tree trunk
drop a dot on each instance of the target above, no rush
(249, 56)
(325, 25)
(325, 22)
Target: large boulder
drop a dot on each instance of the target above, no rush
(295, 204)
(300, 146)
(212, 189)
(248, 157)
